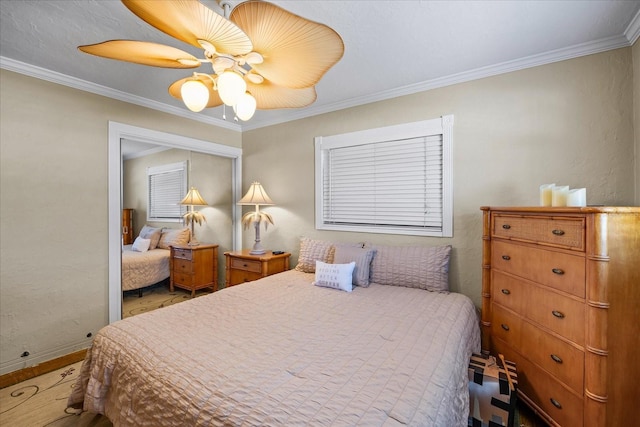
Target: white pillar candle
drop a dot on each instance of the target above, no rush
(577, 197)
(545, 194)
(559, 195)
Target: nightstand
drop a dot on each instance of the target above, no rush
(194, 267)
(243, 267)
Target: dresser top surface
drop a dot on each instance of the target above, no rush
(570, 210)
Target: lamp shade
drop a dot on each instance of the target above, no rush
(256, 196)
(195, 95)
(193, 198)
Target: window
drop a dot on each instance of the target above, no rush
(167, 185)
(396, 180)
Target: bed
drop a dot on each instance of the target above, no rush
(146, 261)
(282, 351)
(142, 269)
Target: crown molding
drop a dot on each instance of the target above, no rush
(633, 29)
(631, 34)
(73, 82)
(558, 55)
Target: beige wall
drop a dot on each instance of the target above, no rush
(211, 175)
(568, 123)
(636, 114)
(53, 210)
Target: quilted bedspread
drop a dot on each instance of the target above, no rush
(141, 269)
(280, 351)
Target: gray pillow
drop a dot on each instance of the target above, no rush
(412, 266)
(345, 254)
(152, 234)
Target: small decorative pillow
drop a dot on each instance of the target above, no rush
(312, 251)
(336, 276)
(424, 267)
(141, 245)
(362, 257)
(173, 237)
(152, 234)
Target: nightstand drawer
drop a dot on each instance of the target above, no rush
(182, 266)
(182, 279)
(242, 276)
(182, 253)
(254, 266)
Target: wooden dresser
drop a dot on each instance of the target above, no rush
(194, 267)
(243, 267)
(127, 226)
(561, 298)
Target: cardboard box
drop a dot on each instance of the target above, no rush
(492, 397)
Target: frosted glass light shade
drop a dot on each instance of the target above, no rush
(231, 86)
(195, 95)
(246, 107)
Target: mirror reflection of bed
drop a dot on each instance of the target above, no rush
(145, 271)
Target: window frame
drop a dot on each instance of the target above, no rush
(180, 167)
(441, 126)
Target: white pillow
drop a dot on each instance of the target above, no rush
(141, 245)
(337, 276)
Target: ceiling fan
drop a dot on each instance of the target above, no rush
(262, 56)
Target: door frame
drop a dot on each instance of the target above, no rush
(120, 131)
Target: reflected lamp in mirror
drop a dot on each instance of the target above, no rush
(256, 196)
(192, 199)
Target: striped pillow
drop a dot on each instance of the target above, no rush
(345, 254)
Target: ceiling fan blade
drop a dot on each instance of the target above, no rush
(190, 21)
(270, 96)
(145, 53)
(297, 52)
(214, 98)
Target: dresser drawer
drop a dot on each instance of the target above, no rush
(541, 388)
(182, 253)
(561, 314)
(561, 359)
(506, 326)
(246, 265)
(182, 265)
(562, 271)
(561, 232)
(509, 291)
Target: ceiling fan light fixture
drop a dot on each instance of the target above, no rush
(195, 95)
(245, 107)
(231, 86)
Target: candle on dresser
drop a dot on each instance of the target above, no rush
(577, 197)
(559, 195)
(545, 194)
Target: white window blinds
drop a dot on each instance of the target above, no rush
(167, 185)
(371, 181)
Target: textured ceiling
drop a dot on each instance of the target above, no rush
(391, 47)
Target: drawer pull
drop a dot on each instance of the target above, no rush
(558, 314)
(506, 257)
(506, 291)
(505, 327)
(506, 226)
(558, 271)
(555, 403)
(245, 265)
(558, 232)
(556, 359)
